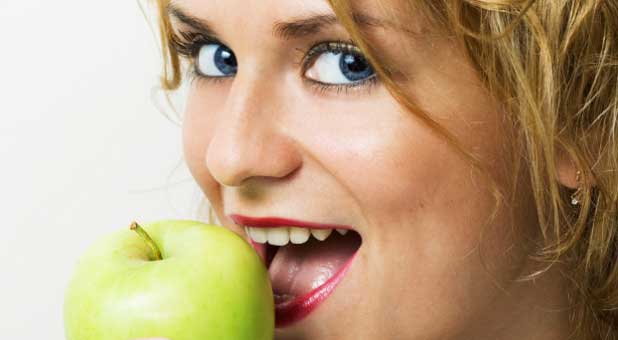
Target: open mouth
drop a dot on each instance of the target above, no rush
(305, 264)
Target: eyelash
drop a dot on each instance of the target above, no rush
(188, 44)
(347, 47)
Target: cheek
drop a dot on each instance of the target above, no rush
(197, 130)
(393, 169)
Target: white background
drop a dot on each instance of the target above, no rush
(83, 148)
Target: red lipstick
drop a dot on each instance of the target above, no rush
(273, 222)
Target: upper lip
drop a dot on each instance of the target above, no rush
(274, 221)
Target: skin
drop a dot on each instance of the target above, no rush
(263, 143)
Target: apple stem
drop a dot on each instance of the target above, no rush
(144, 235)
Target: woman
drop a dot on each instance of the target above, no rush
(464, 152)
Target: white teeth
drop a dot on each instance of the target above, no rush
(278, 236)
(258, 235)
(299, 235)
(321, 234)
(284, 235)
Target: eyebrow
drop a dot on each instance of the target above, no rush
(197, 24)
(314, 24)
(286, 30)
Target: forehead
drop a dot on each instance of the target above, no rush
(254, 18)
(251, 12)
(244, 13)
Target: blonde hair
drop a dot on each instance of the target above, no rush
(553, 65)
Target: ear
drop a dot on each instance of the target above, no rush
(566, 171)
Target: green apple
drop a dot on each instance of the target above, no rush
(183, 280)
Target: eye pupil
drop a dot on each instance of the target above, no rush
(355, 67)
(225, 60)
(353, 64)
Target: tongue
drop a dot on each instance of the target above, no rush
(298, 269)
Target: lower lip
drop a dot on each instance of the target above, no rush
(292, 311)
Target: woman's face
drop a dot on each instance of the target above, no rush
(269, 141)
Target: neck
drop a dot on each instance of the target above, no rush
(533, 310)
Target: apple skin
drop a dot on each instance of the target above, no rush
(211, 284)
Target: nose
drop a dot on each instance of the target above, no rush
(249, 139)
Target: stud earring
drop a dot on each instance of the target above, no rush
(575, 197)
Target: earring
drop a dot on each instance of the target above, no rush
(575, 197)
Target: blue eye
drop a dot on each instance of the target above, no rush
(354, 67)
(216, 60)
(336, 65)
